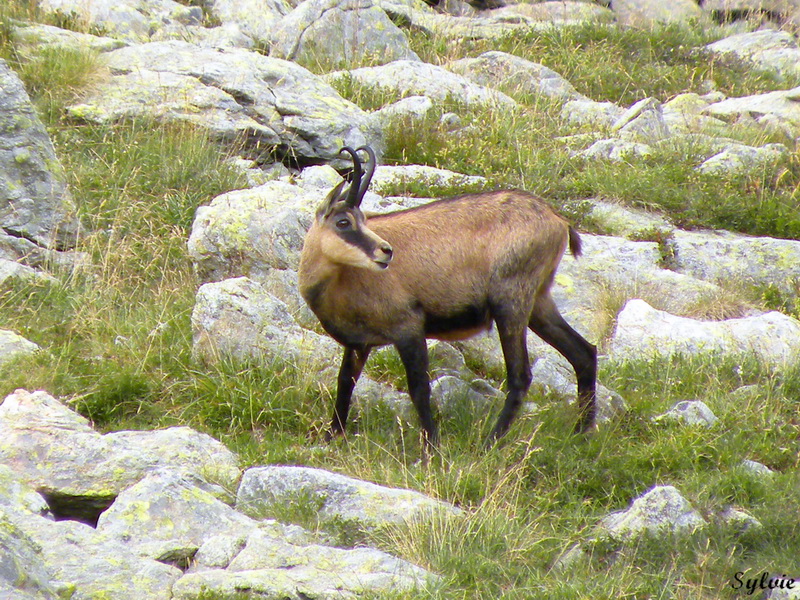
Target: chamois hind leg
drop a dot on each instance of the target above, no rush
(512, 332)
(352, 364)
(548, 324)
(414, 354)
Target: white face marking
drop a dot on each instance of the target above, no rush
(364, 249)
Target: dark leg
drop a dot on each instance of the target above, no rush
(518, 371)
(414, 354)
(352, 364)
(548, 324)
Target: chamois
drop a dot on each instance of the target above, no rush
(445, 270)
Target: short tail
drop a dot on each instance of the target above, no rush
(575, 245)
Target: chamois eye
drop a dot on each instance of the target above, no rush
(342, 224)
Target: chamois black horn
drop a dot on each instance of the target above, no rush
(353, 193)
(362, 188)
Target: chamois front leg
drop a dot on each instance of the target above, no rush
(352, 364)
(414, 354)
(518, 371)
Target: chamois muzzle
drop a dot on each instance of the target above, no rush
(384, 260)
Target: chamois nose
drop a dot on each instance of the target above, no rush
(387, 250)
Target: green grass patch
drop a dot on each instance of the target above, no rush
(617, 64)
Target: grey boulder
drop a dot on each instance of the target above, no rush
(35, 204)
(274, 104)
(339, 33)
(335, 497)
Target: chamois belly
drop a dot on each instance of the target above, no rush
(355, 333)
(460, 325)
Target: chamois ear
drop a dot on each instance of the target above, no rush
(335, 196)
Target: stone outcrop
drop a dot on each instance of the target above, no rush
(255, 18)
(338, 499)
(237, 318)
(643, 331)
(127, 19)
(768, 50)
(643, 13)
(720, 256)
(37, 213)
(13, 346)
(409, 77)
(515, 75)
(690, 412)
(165, 527)
(276, 105)
(662, 509)
(339, 33)
(81, 462)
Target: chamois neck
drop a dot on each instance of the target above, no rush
(316, 270)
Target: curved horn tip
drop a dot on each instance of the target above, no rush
(370, 171)
(353, 199)
(370, 152)
(349, 150)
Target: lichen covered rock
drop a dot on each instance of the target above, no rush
(35, 204)
(409, 77)
(662, 510)
(643, 332)
(336, 498)
(56, 451)
(269, 102)
(339, 32)
(237, 318)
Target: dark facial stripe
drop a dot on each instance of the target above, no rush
(356, 238)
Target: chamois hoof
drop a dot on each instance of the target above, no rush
(332, 434)
(584, 427)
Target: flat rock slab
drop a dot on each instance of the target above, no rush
(769, 50)
(55, 450)
(719, 256)
(739, 159)
(13, 346)
(438, 182)
(559, 12)
(782, 106)
(127, 19)
(271, 568)
(643, 332)
(641, 13)
(339, 498)
(414, 78)
(513, 74)
(35, 36)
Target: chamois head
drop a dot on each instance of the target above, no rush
(344, 236)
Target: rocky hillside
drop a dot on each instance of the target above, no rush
(160, 163)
